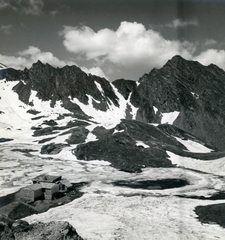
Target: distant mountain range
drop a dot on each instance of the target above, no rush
(131, 124)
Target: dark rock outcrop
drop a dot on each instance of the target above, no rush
(21, 230)
(78, 135)
(120, 147)
(62, 84)
(214, 213)
(2, 74)
(121, 150)
(17, 210)
(52, 148)
(3, 69)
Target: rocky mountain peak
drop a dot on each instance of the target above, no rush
(191, 91)
(195, 91)
(180, 67)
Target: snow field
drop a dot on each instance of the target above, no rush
(194, 146)
(108, 217)
(170, 117)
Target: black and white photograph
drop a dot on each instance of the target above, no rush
(112, 119)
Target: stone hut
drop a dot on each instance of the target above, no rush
(46, 179)
(32, 192)
(49, 189)
(44, 186)
(64, 185)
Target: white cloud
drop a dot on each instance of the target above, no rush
(32, 54)
(131, 45)
(95, 71)
(181, 23)
(214, 56)
(6, 29)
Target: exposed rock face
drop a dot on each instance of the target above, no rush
(78, 135)
(21, 230)
(61, 84)
(194, 90)
(2, 73)
(52, 148)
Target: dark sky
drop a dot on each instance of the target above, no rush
(120, 38)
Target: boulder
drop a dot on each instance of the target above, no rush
(21, 230)
(52, 148)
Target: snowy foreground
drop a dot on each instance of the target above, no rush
(106, 211)
(109, 212)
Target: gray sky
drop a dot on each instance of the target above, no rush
(115, 38)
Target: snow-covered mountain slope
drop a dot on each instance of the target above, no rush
(65, 122)
(66, 108)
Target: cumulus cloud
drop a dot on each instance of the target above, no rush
(214, 56)
(183, 23)
(131, 45)
(32, 54)
(95, 71)
(6, 29)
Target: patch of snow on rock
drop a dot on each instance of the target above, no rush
(155, 109)
(116, 131)
(44, 106)
(91, 138)
(14, 117)
(108, 119)
(170, 117)
(98, 85)
(140, 143)
(194, 146)
(134, 109)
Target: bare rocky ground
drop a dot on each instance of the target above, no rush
(21, 230)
